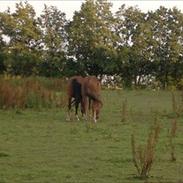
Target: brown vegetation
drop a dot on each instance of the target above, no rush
(28, 93)
(143, 157)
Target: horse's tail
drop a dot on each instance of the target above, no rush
(76, 87)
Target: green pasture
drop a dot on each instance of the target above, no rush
(40, 146)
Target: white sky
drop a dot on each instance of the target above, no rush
(70, 6)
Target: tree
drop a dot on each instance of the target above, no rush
(91, 37)
(53, 24)
(154, 44)
(22, 54)
(167, 32)
(135, 39)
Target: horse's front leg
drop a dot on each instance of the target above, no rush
(94, 113)
(84, 107)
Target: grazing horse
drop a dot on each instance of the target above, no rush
(83, 90)
(91, 89)
(74, 94)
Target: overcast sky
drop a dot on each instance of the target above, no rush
(70, 6)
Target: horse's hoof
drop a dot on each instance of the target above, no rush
(95, 121)
(68, 119)
(77, 117)
(84, 117)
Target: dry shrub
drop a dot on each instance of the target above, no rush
(54, 84)
(60, 100)
(10, 96)
(59, 84)
(143, 157)
(28, 93)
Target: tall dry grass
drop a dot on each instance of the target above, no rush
(30, 93)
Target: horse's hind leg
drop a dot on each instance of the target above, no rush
(89, 107)
(76, 109)
(94, 115)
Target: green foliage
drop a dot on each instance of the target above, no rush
(53, 25)
(139, 47)
(166, 25)
(22, 55)
(91, 38)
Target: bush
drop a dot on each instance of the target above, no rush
(143, 157)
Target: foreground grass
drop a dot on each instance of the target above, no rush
(39, 146)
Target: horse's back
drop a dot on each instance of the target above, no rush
(92, 85)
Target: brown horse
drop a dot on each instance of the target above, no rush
(91, 89)
(74, 94)
(81, 91)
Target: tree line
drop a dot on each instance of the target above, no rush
(135, 46)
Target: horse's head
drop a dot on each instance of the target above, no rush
(97, 105)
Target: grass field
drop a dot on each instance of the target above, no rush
(39, 146)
